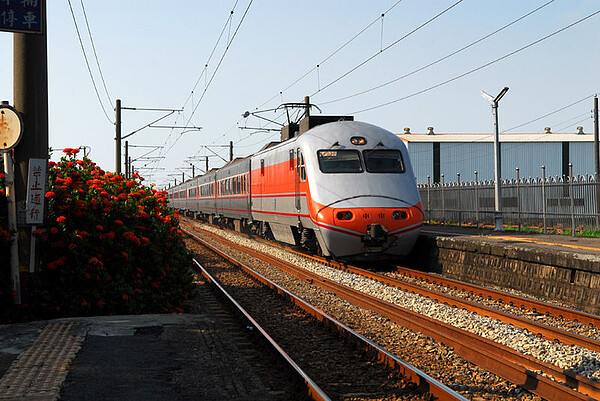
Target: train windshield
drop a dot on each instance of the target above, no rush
(384, 161)
(339, 161)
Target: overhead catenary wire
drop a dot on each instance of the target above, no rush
(549, 114)
(87, 63)
(439, 60)
(331, 55)
(87, 24)
(480, 67)
(424, 24)
(230, 41)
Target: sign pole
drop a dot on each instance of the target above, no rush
(11, 132)
(12, 228)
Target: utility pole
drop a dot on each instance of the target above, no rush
(126, 159)
(230, 151)
(118, 136)
(499, 225)
(30, 94)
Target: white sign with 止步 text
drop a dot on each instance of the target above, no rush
(36, 185)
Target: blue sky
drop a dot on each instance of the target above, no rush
(153, 52)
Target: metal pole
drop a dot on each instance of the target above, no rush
(476, 200)
(499, 224)
(443, 203)
(193, 170)
(596, 161)
(126, 159)
(429, 199)
(459, 205)
(519, 198)
(118, 136)
(207, 164)
(12, 228)
(230, 150)
(544, 198)
(572, 195)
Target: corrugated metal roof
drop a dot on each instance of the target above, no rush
(460, 137)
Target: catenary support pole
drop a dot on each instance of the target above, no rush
(118, 136)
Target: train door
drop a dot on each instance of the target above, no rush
(247, 187)
(299, 177)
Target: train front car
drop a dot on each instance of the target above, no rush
(363, 194)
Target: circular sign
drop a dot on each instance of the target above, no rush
(11, 128)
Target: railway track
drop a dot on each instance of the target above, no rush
(499, 359)
(334, 361)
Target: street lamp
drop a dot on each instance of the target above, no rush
(499, 226)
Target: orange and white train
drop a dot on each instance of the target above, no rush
(343, 189)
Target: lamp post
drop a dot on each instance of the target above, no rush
(499, 225)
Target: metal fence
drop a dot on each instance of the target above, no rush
(559, 204)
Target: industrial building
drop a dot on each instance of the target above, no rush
(435, 155)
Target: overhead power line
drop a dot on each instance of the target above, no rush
(478, 68)
(379, 17)
(549, 114)
(388, 47)
(230, 41)
(88, 64)
(95, 53)
(440, 59)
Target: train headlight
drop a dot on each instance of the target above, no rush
(344, 215)
(399, 214)
(358, 140)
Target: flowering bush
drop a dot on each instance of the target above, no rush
(111, 246)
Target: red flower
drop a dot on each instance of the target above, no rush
(70, 151)
(53, 230)
(119, 222)
(50, 194)
(84, 303)
(61, 219)
(125, 297)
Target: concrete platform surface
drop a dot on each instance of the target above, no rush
(147, 357)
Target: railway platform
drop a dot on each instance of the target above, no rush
(145, 357)
(559, 268)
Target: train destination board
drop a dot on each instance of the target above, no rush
(21, 16)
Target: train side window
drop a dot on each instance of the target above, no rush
(291, 159)
(262, 166)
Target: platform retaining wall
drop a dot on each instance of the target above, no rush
(566, 277)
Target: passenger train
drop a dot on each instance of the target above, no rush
(343, 189)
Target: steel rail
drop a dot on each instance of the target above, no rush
(313, 390)
(425, 383)
(549, 332)
(515, 300)
(540, 329)
(492, 356)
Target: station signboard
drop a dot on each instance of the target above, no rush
(22, 16)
